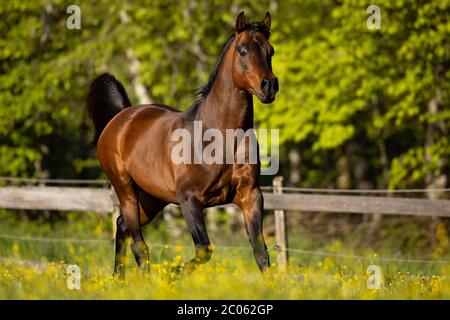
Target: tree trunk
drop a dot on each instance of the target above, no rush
(434, 181)
(140, 90)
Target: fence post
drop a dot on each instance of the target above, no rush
(280, 227)
(115, 213)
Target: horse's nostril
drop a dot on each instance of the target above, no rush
(275, 86)
(265, 85)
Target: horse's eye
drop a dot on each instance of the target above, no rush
(242, 50)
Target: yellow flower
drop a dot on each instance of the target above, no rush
(15, 249)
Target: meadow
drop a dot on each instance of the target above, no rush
(37, 269)
(358, 108)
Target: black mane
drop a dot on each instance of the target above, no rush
(204, 90)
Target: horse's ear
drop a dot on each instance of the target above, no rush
(241, 22)
(267, 20)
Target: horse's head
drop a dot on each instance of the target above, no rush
(252, 59)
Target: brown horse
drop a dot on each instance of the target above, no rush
(134, 148)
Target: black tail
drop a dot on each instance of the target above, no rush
(106, 98)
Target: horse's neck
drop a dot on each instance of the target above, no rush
(227, 111)
(226, 107)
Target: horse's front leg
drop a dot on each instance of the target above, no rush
(251, 203)
(195, 218)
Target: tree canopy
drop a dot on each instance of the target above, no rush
(359, 107)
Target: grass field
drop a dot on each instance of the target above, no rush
(37, 269)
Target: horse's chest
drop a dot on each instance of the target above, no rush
(224, 189)
(218, 189)
(216, 185)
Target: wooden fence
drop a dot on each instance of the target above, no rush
(103, 200)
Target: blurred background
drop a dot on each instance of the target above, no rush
(357, 108)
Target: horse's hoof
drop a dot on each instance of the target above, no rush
(118, 276)
(177, 272)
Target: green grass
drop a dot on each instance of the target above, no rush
(231, 274)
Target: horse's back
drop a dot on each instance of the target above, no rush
(163, 106)
(133, 121)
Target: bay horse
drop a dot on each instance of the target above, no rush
(134, 148)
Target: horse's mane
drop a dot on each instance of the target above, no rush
(204, 90)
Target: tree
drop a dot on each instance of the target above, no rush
(356, 108)
(376, 98)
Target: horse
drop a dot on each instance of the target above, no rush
(134, 149)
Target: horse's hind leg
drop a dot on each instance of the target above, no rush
(129, 207)
(195, 218)
(122, 237)
(149, 207)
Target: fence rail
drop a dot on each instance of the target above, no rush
(103, 200)
(57, 198)
(357, 204)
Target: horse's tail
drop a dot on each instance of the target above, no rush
(105, 99)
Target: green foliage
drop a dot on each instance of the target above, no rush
(372, 99)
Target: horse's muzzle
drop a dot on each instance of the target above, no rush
(269, 89)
